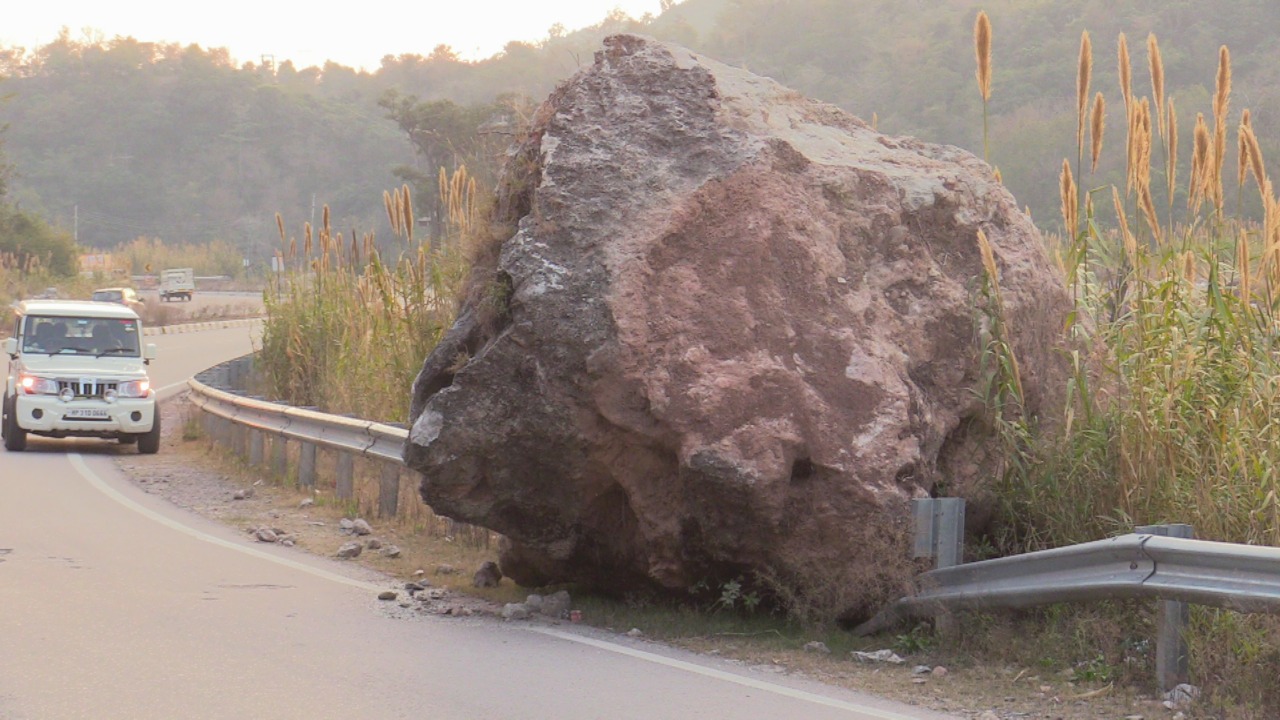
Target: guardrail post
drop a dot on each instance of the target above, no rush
(389, 490)
(344, 487)
(939, 530)
(280, 455)
(1172, 618)
(256, 442)
(307, 465)
(222, 433)
(939, 526)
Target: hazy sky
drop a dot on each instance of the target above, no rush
(356, 34)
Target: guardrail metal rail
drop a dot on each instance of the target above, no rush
(247, 424)
(1159, 562)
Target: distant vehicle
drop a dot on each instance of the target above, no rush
(177, 283)
(119, 295)
(78, 369)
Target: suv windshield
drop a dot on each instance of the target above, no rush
(58, 335)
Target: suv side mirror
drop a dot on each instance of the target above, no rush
(11, 347)
(149, 352)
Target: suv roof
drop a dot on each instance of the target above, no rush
(81, 308)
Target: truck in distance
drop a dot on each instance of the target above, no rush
(177, 283)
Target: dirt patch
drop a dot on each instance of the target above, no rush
(194, 475)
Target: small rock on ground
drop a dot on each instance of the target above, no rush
(556, 605)
(388, 595)
(488, 575)
(818, 647)
(360, 527)
(350, 550)
(391, 551)
(515, 611)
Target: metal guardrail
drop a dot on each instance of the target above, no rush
(1146, 564)
(1244, 578)
(247, 424)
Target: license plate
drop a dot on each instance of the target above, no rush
(93, 413)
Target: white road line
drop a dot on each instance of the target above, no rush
(722, 675)
(99, 484)
(77, 461)
(170, 386)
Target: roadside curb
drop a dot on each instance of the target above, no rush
(199, 326)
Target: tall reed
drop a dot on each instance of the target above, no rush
(347, 329)
(982, 49)
(1172, 405)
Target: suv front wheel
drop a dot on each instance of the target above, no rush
(149, 442)
(15, 438)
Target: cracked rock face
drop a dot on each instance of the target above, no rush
(734, 332)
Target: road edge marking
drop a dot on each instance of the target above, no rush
(77, 461)
(723, 675)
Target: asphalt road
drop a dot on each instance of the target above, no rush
(204, 305)
(115, 604)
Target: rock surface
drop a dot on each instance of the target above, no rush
(487, 576)
(731, 330)
(349, 550)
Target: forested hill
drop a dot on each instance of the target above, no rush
(137, 139)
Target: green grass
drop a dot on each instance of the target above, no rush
(347, 330)
(1170, 417)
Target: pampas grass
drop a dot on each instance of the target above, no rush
(982, 51)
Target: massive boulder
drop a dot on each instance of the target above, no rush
(729, 330)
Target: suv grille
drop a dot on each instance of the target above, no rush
(87, 388)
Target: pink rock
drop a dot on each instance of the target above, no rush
(732, 329)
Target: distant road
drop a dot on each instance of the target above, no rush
(203, 305)
(115, 604)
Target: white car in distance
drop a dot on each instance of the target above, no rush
(78, 369)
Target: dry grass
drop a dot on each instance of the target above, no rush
(982, 51)
(1174, 390)
(346, 329)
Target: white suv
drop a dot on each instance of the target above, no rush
(78, 369)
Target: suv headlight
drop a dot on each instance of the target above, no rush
(33, 385)
(134, 388)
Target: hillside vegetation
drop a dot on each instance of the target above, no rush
(114, 139)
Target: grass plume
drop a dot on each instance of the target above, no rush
(1084, 74)
(1157, 78)
(982, 51)
(1221, 106)
(1097, 127)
